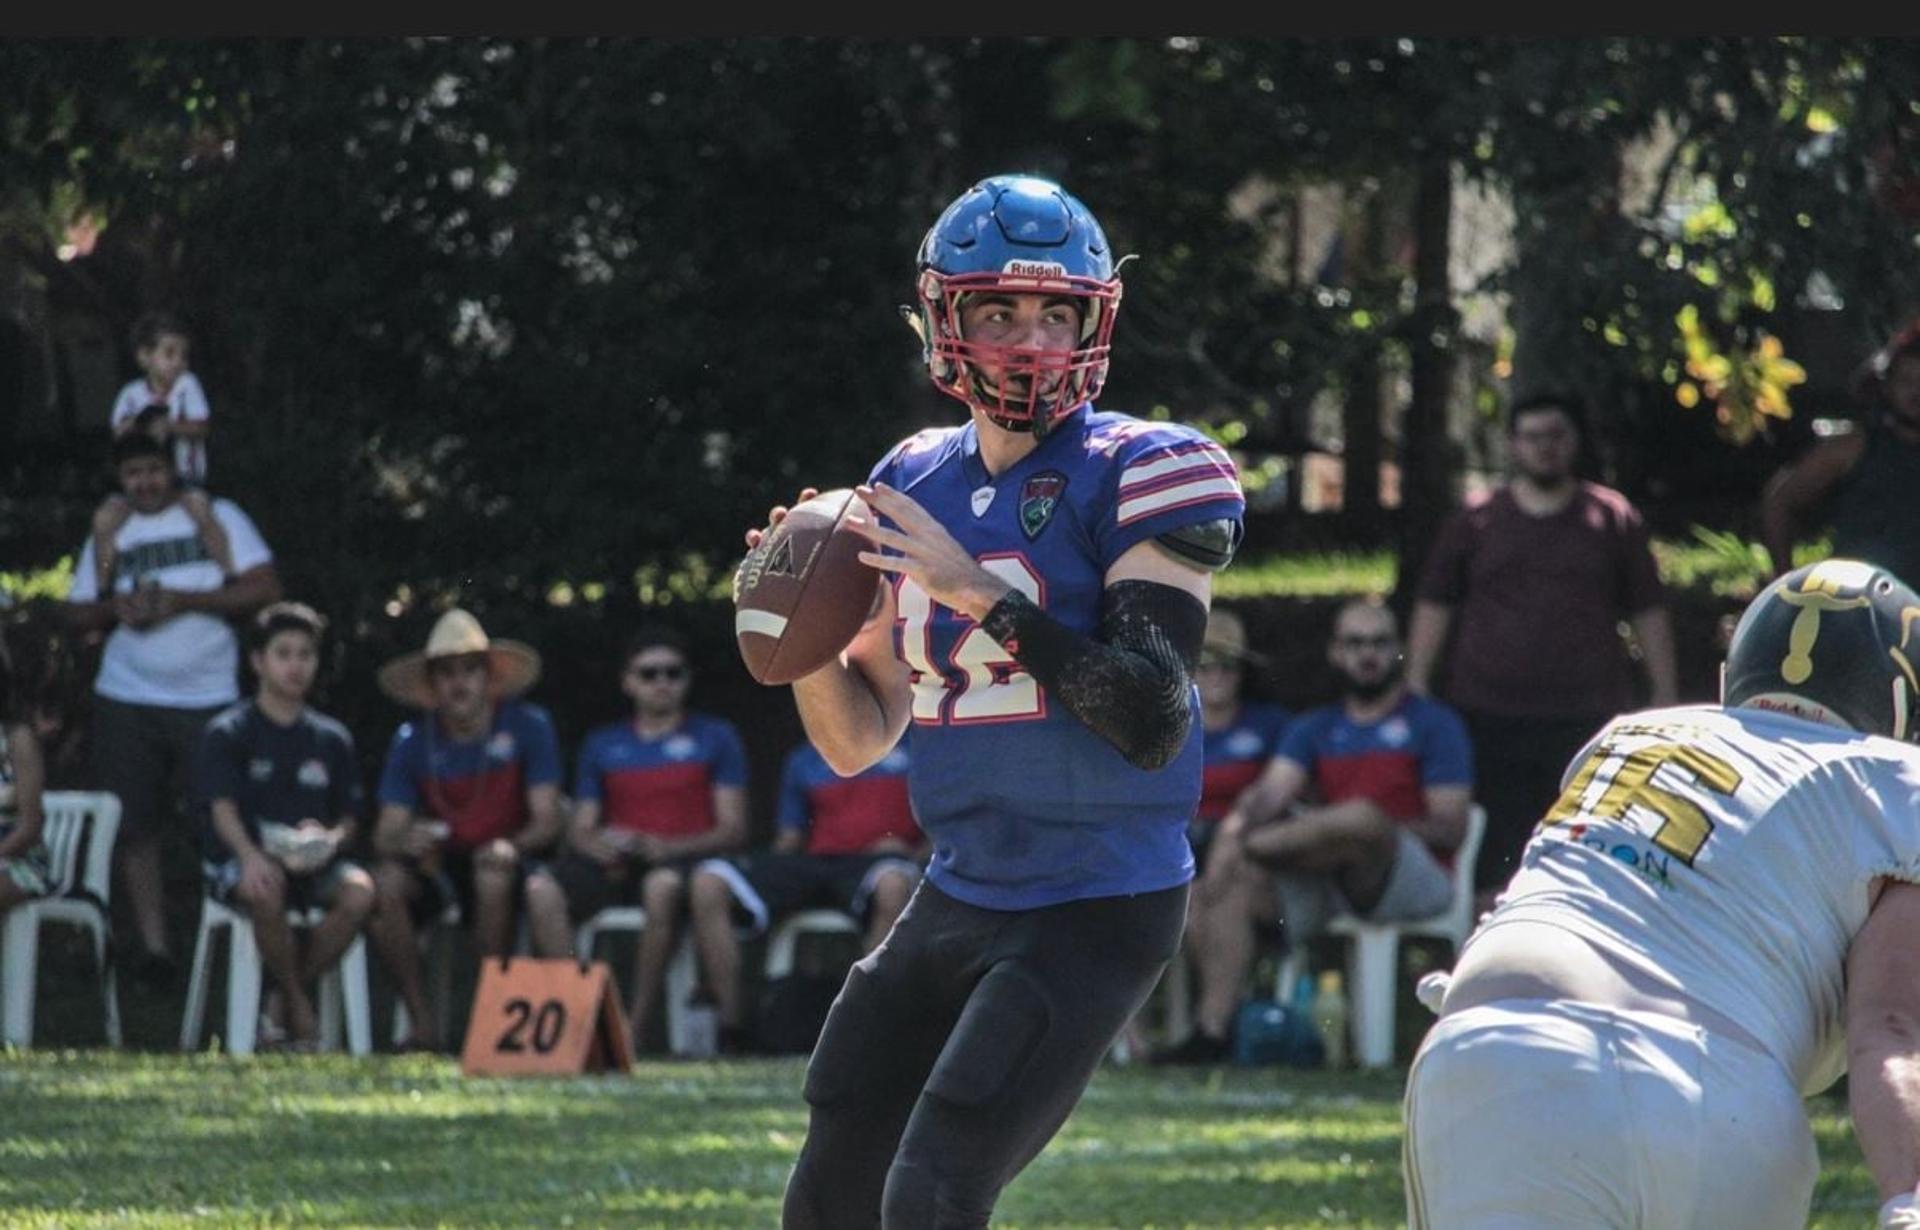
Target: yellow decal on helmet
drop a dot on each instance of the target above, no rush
(1833, 575)
(1819, 591)
(1898, 653)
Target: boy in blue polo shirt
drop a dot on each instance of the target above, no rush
(282, 793)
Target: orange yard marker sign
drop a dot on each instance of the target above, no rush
(545, 1017)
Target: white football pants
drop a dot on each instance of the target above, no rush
(1526, 1113)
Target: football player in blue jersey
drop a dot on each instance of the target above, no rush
(1046, 570)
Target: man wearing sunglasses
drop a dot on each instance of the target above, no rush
(654, 795)
(1355, 813)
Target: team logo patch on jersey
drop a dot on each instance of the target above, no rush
(313, 775)
(982, 500)
(260, 769)
(680, 747)
(1243, 743)
(1039, 497)
(1394, 732)
(500, 747)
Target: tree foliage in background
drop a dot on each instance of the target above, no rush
(555, 319)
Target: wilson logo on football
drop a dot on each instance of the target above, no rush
(780, 563)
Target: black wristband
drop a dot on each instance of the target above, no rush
(1036, 640)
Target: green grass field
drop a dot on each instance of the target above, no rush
(94, 1138)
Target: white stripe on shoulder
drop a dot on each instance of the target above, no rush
(1205, 455)
(1192, 492)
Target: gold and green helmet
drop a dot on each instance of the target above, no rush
(1832, 642)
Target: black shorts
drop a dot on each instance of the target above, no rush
(591, 887)
(314, 890)
(770, 886)
(452, 883)
(144, 755)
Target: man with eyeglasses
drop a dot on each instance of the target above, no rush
(654, 796)
(1533, 583)
(1355, 814)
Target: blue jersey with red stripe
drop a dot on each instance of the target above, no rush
(846, 815)
(1026, 806)
(1390, 761)
(479, 786)
(1236, 755)
(660, 784)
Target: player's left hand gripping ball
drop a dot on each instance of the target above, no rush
(802, 593)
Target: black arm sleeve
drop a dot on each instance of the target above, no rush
(1131, 686)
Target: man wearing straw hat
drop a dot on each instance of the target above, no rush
(469, 798)
(1240, 735)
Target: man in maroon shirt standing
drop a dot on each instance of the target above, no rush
(1533, 581)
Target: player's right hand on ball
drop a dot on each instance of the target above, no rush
(777, 514)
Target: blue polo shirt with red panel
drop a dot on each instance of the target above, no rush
(478, 786)
(660, 784)
(1392, 761)
(846, 815)
(1236, 755)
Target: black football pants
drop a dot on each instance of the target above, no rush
(959, 1046)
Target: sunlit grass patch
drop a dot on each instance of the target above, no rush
(95, 1139)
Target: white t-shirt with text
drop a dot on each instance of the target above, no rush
(192, 660)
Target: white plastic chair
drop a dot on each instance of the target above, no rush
(79, 832)
(785, 939)
(682, 972)
(1373, 957)
(342, 987)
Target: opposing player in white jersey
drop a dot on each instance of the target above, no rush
(1720, 915)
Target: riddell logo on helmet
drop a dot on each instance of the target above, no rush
(1035, 269)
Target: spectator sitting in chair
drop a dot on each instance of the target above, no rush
(844, 843)
(469, 802)
(1392, 774)
(282, 789)
(24, 869)
(655, 795)
(1239, 737)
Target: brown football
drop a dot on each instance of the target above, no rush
(801, 595)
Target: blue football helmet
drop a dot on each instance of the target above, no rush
(1832, 642)
(1016, 234)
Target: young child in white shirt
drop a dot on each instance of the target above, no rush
(168, 403)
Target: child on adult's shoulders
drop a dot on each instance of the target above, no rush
(114, 512)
